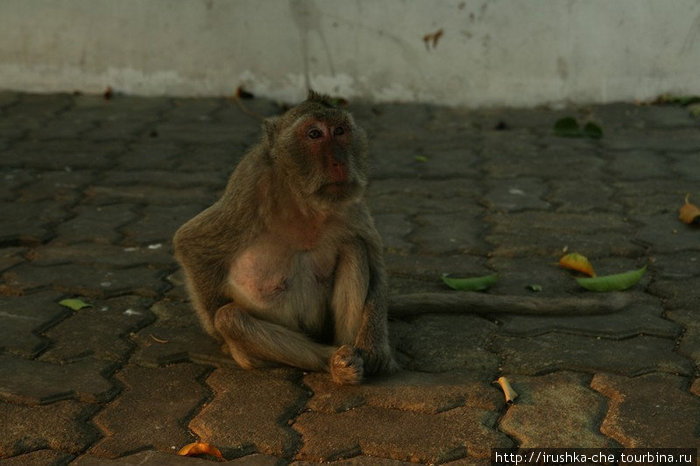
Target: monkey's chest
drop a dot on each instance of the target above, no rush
(283, 285)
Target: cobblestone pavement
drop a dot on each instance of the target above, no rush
(93, 190)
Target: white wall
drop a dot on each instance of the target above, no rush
(492, 52)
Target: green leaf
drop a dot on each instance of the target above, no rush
(616, 282)
(74, 303)
(534, 287)
(567, 127)
(420, 158)
(471, 284)
(592, 131)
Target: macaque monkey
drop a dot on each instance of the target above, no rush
(286, 267)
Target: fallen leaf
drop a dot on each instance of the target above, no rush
(577, 262)
(508, 391)
(420, 158)
(567, 127)
(534, 287)
(689, 213)
(158, 340)
(74, 303)
(199, 448)
(593, 131)
(472, 283)
(615, 282)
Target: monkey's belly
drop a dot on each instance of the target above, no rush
(291, 288)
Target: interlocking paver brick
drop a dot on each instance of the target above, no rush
(555, 410)
(59, 185)
(149, 154)
(636, 319)
(38, 458)
(38, 382)
(550, 163)
(454, 232)
(678, 293)
(394, 229)
(439, 343)
(110, 322)
(159, 458)
(407, 391)
(63, 426)
(23, 318)
(158, 222)
(176, 336)
(636, 164)
(93, 190)
(421, 437)
(690, 341)
(153, 410)
(96, 223)
(95, 281)
(146, 193)
(665, 233)
(662, 399)
(104, 254)
(14, 179)
(74, 154)
(508, 195)
(560, 351)
(359, 461)
(547, 233)
(584, 195)
(250, 411)
(10, 256)
(29, 222)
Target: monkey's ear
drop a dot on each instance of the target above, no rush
(270, 126)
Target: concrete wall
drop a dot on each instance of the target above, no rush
(491, 52)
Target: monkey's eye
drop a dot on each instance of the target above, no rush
(338, 131)
(315, 133)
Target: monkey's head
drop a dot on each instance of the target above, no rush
(318, 150)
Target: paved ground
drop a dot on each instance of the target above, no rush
(93, 190)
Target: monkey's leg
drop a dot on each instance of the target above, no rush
(253, 342)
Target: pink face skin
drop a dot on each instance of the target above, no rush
(329, 143)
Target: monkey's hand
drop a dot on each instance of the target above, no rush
(347, 366)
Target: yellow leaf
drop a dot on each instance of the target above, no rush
(199, 448)
(577, 262)
(689, 213)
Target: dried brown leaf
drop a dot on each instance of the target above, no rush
(508, 391)
(200, 448)
(689, 213)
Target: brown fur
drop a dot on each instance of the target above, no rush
(286, 267)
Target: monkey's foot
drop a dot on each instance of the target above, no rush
(347, 367)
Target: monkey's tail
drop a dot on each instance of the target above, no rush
(479, 303)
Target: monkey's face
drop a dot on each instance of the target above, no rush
(327, 156)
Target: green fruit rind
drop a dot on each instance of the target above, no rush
(471, 284)
(616, 282)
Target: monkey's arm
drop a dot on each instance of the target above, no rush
(373, 335)
(479, 303)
